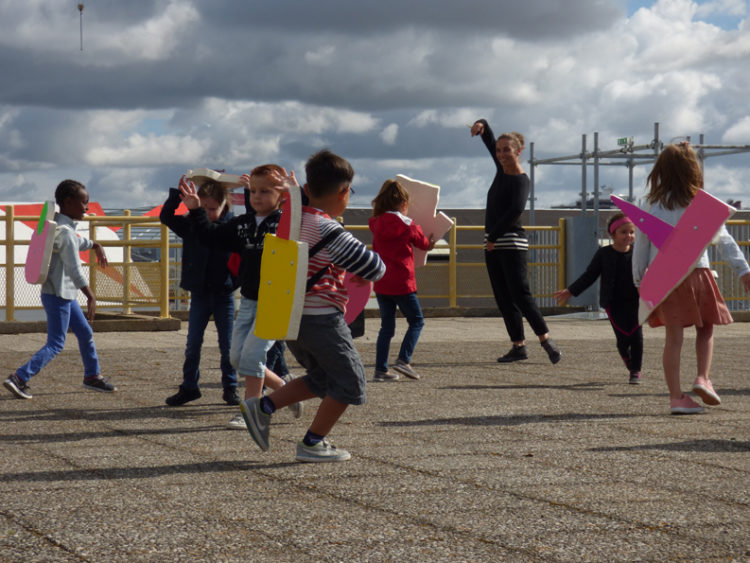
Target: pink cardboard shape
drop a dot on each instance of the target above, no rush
(359, 295)
(41, 245)
(682, 249)
(654, 228)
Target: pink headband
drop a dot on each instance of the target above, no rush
(616, 225)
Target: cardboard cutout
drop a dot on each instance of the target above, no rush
(680, 247)
(359, 295)
(283, 276)
(199, 175)
(40, 246)
(423, 201)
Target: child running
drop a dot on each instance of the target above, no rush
(244, 234)
(394, 236)
(206, 276)
(674, 181)
(618, 296)
(59, 293)
(324, 346)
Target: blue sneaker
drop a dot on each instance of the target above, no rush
(258, 423)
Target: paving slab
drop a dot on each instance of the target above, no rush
(477, 461)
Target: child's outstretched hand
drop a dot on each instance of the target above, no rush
(432, 242)
(188, 194)
(284, 181)
(562, 296)
(101, 257)
(245, 179)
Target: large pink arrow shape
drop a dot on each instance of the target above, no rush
(682, 247)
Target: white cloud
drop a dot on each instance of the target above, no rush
(155, 38)
(389, 134)
(739, 133)
(730, 7)
(164, 85)
(149, 150)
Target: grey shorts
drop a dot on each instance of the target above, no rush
(326, 350)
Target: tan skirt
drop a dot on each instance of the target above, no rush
(696, 301)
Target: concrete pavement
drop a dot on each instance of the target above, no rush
(475, 462)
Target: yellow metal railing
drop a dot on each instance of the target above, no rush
(455, 280)
(125, 284)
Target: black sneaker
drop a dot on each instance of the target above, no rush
(516, 353)
(19, 388)
(98, 383)
(552, 350)
(231, 397)
(183, 396)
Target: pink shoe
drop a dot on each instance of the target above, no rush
(703, 388)
(684, 405)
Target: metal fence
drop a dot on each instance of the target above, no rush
(145, 272)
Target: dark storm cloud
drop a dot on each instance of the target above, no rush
(528, 19)
(267, 51)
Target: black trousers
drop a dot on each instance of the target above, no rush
(629, 334)
(510, 285)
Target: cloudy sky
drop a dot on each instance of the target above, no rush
(162, 86)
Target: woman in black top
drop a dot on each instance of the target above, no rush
(506, 245)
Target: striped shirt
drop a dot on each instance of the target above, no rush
(344, 253)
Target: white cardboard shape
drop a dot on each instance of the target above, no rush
(423, 201)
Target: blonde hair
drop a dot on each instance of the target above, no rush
(391, 197)
(675, 178)
(516, 139)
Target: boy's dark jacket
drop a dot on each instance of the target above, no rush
(239, 234)
(604, 264)
(204, 270)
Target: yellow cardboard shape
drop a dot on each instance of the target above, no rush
(281, 293)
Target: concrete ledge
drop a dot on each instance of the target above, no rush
(103, 322)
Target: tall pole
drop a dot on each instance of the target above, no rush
(532, 194)
(80, 18)
(584, 194)
(596, 181)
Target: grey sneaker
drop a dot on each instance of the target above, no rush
(385, 376)
(258, 423)
(404, 368)
(19, 388)
(237, 422)
(98, 383)
(322, 452)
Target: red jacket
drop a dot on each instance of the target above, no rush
(394, 237)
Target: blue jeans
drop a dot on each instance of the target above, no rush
(202, 306)
(61, 315)
(409, 306)
(248, 352)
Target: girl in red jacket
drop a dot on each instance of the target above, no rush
(394, 236)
